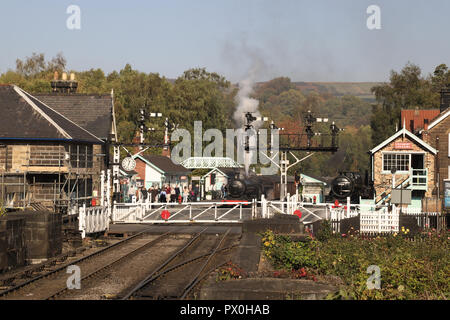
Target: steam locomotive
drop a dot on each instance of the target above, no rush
(346, 184)
(350, 184)
(252, 187)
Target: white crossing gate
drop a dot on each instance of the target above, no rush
(93, 219)
(185, 212)
(290, 206)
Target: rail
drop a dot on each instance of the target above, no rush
(63, 268)
(197, 276)
(149, 278)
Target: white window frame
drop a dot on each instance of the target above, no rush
(396, 152)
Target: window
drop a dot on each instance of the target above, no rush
(81, 156)
(400, 161)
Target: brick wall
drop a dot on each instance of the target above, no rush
(441, 130)
(140, 169)
(383, 181)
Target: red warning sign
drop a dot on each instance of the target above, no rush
(298, 213)
(165, 214)
(336, 204)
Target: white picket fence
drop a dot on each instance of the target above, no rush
(372, 218)
(379, 221)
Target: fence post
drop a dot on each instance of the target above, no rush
(81, 220)
(253, 209)
(263, 206)
(102, 188)
(240, 211)
(348, 207)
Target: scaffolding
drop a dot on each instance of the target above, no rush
(56, 188)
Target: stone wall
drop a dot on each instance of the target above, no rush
(46, 155)
(5, 157)
(12, 242)
(42, 234)
(42, 161)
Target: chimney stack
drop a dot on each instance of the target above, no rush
(64, 85)
(445, 99)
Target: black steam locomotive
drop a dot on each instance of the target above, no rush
(350, 184)
(252, 187)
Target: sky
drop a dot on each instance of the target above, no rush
(317, 40)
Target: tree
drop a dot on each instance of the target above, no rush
(406, 90)
(440, 78)
(35, 65)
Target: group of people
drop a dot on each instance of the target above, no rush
(167, 193)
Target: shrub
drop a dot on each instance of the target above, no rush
(411, 268)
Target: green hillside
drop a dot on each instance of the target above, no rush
(357, 89)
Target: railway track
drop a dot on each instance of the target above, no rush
(55, 279)
(164, 283)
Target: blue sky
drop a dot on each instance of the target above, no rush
(304, 40)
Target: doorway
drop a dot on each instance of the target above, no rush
(417, 161)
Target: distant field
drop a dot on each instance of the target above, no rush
(358, 89)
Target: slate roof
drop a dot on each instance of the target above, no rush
(25, 117)
(92, 112)
(166, 164)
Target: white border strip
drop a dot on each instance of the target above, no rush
(42, 113)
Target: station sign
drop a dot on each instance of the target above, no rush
(403, 145)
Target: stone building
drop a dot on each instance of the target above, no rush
(437, 134)
(92, 112)
(433, 127)
(45, 157)
(414, 162)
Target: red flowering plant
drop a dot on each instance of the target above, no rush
(230, 271)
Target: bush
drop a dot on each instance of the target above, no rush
(415, 268)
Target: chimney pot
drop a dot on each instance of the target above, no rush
(55, 75)
(72, 76)
(64, 76)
